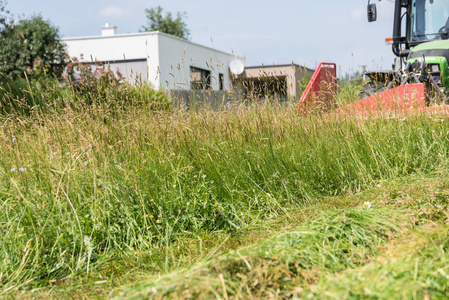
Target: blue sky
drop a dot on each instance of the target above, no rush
(264, 31)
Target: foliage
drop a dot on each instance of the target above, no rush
(331, 242)
(97, 175)
(167, 24)
(31, 43)
(303, 82)
(92, 85)
(98, 84)
(86, 183)
(349, 91)
(4, 16)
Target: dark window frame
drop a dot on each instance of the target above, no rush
(220, 81)
(204, 83)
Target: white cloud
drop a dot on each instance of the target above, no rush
(359, 13)
(115, 12)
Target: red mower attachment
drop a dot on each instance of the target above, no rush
(400, 100)
(403, 100)
(321, 89)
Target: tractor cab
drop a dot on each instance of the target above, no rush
(421, 43)
(429, 20)
(416, 22)
(420, 75)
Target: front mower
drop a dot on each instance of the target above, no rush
(420, 73)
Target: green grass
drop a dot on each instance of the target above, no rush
(417, 269)
(94, 195)
(394, 250)
(331, 242)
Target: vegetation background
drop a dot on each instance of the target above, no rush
(107, 190)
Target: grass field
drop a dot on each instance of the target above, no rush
(117, 200)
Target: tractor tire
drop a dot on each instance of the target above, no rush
(372, 88)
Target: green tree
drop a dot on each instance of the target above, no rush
(4, 16)
(29, 44)
(167, 24)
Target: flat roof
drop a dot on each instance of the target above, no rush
(279, 66)
(149, 33)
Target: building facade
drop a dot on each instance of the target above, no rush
(163, 60)
(283, 81)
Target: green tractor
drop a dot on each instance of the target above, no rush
(421, 45)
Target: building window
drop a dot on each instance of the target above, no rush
(220, 81)
(199, 79)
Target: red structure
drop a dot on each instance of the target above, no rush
(321, 89)
(401, 99)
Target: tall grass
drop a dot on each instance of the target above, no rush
(82, 181)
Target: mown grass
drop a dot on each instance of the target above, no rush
(416, 269)
(96, 189)
(331, 242)
(395, 249)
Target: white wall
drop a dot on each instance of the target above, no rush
(168, 58)
(124, 49)
(177, 56)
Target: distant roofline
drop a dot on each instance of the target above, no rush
(94, 37)
(277, 66)
(150, 33)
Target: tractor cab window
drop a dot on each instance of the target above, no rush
(429, 20)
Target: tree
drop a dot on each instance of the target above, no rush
(167, 24)
(4, 16)
(31, 43)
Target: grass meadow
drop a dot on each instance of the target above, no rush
(111, 193)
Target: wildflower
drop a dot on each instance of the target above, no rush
(86, 163)
(13, 169)
(151, 217)
(195, 176)
(367, 204)
(216, 203)
(22, 169)
(204, 176)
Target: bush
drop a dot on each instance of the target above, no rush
(99, 85)
(82, 86)
(30, 42)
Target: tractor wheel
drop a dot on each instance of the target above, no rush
(372, 88)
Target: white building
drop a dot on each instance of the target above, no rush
(165, 61)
